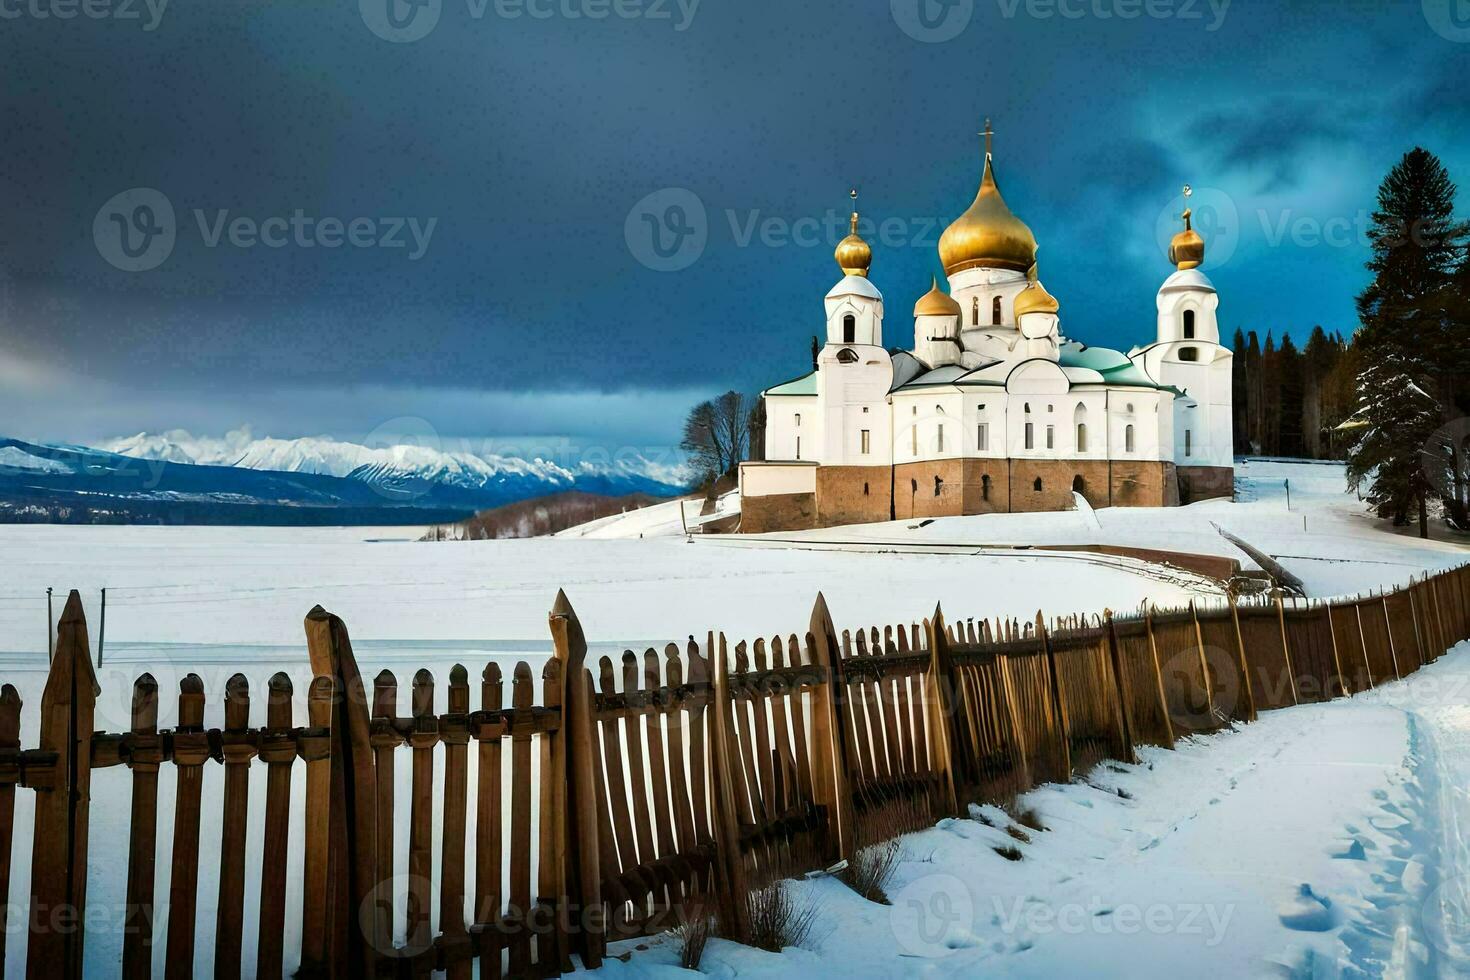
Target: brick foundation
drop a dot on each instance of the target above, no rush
(778, 512)
(853, 494)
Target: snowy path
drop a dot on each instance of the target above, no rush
(1323, 841)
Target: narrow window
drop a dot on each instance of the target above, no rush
(1190, 354)
(975, 312)
(849, 329)
(1051, 437)
(1030, 435)
(941, 439)
(913, 486)
(995, 311)
(1037, 485)
(798, 447)
(1128, 439)
(914, 434)
(938, 486)
(867, 442)
(798, 420)
(1082, 437)
(1189, 324)
(1188, 443)
(865, 490)
(982, 439)
(985, 487)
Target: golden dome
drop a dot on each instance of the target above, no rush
(936, 302)
(853, 255)
(1187, 250)
(987, 235)
(1035, 299)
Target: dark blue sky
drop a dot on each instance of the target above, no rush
(528, 141)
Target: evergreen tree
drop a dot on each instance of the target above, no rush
(1239, 390)
(1319, 358)
(1292, 394)
(1405, 330)
(1255, 382)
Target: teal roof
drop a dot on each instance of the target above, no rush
(1099, 359)
(805, 385)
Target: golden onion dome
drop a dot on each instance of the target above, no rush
(854, 256)
(988, 235)
(1035, 299)
(1187, 250)
(936, 302)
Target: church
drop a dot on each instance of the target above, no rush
(995, 409)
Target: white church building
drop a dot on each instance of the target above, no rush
(994, 409)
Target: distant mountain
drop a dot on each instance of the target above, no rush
(174, 478)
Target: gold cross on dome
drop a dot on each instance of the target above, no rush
(989, 134)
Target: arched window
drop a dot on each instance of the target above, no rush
(1189, 324)
(1037, 485)
(1082, 438)
(1079, 485)
(1079, 422)
(865, 490)
(938, 486)
(846, 356)
(985, 487)
(995, 311)
(1128, 439)
(975, 312)
(849, 330)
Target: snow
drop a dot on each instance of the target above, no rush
(1324, 840)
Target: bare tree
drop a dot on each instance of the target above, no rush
(717, 434)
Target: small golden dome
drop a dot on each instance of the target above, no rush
(988, 235)
(1187, 250)
(1035, 299)
(854, 256)
(936, 302)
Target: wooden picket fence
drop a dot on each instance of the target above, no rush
(663, 786)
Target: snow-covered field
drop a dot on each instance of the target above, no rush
(1231, 826)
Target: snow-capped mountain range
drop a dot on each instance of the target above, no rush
(390, 464)
(176, 477)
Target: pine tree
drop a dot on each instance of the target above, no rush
(1240, 397)
(1319, 358)
(1405, 332)
(1289, 412)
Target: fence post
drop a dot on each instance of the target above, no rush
(1247, 685)
(731, 872)
(1120, 686)
(1153, 647)
(581, 874)
(59, 852)
(939, 709)
(1286, 646)
(1393, 650)
(353, 863)
(1363, 643)
(1424, 654)
(9, 776)
(1204, 663)
(829, 765)
(315, 746)
(1058, 700)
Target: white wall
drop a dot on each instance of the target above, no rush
(789, 418)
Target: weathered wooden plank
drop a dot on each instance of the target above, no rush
(454, 733)
(191, 752)
(237, 745)
(278, 751)
(145, 756)
(489, 829)
(523, 696)
(422, 739)
(316, 751)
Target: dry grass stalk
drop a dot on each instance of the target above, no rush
(870, 869)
